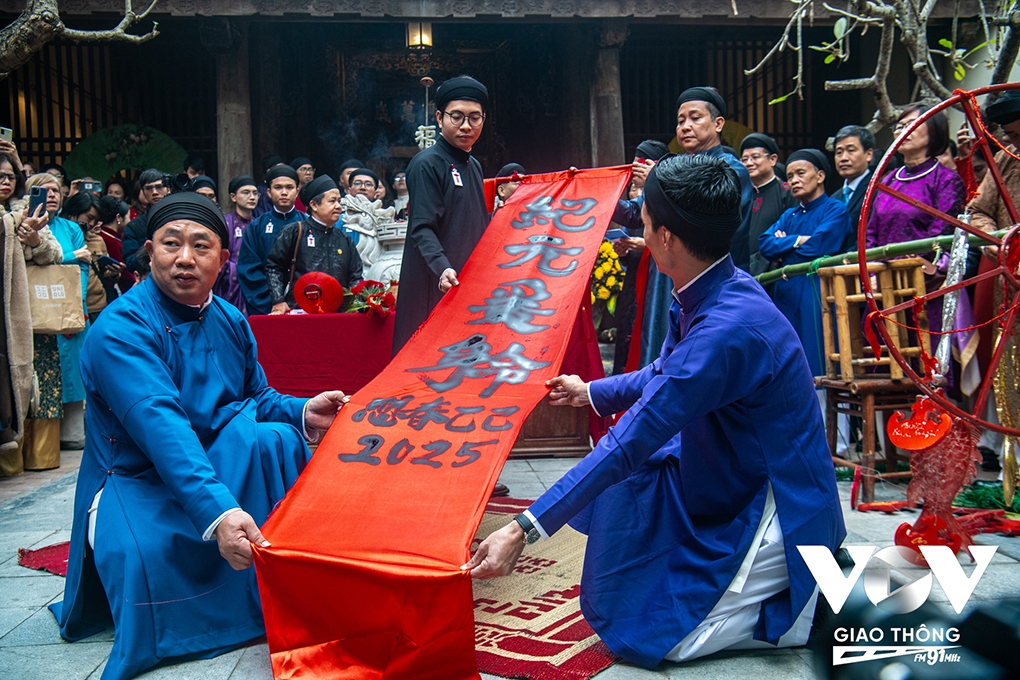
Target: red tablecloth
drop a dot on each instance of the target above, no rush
(304, 354)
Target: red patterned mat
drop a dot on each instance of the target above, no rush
(52, 558)
(529, 624)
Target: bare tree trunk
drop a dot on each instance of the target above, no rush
(40, 23)
(23, 37)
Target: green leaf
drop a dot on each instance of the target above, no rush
(831, 58)
(960, 72)
(839, 29)
(945, 42)
(780, 100)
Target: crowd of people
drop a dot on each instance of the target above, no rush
(704, 354)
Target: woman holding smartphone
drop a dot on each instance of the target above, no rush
(61, 390)
(25, 238)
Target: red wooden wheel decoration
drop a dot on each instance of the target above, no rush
(1007, 264)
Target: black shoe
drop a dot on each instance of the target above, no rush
(500, 490)
(72, 446)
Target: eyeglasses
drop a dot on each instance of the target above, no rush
(8, 177)
(457, 118)
(903, 124)
(400, 178)
(363, 185)
(155, 186)
(753, 157)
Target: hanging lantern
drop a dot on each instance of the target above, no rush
(419, 35)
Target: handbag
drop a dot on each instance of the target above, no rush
(55, 299)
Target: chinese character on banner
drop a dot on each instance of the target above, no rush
(382, 517)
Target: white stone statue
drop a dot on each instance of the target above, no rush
(381, 239)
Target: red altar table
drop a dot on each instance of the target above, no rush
(304, 354)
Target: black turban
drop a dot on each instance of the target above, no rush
(319, 185)
(349, 163)
(759, 140)
(298, 162)
(651, 150)
(709, 231)
(241, 181)
(280, 171)
(509, 169)
(270, 161)
(812, 156)
(365, 172)
(203, 181)
(1006, 108)
(702, 94)
(462, 88)
(190, 206)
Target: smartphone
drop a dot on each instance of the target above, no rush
(94, 187)
(107, 261)
(6, 134)
(37, 198)
(614, 234)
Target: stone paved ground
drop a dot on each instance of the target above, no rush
(35, 511)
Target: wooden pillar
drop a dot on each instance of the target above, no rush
(607, 110)
(233, 116)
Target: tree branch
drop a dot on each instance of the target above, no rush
(119, 32)
(40, 23)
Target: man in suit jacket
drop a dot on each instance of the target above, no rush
(855, 148)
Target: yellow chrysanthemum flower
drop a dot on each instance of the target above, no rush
(604, 293)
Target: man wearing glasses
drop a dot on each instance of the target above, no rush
(759, 153)
(446, 205)
(153, 190)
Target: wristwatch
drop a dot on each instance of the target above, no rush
(530, 532)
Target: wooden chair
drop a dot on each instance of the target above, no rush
(856, 382)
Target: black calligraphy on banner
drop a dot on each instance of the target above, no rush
(472, 358)
(548, 249)
(432, 454)
(541, 212)
(515, 304)
(388, 411)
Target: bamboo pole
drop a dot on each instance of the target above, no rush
(881, 253)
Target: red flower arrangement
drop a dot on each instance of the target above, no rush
(372, 297)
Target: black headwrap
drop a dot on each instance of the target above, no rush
(365, 172)
(349, 163)
(651, 150)
(1006, 108)
(703, 94)
(203, 181)
(270, 161)
(301, 160)
(241, 181)
(190, 206)
(759, 140)
(509, 169)
(812, 156)
(706, 230)
(465, 88)
(280, 171)
(319, 185)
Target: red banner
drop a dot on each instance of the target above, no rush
(363, 577)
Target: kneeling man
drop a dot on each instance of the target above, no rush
(187, 451)
(695, 501)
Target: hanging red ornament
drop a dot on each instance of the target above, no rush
(924, 427)
(318, 293)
